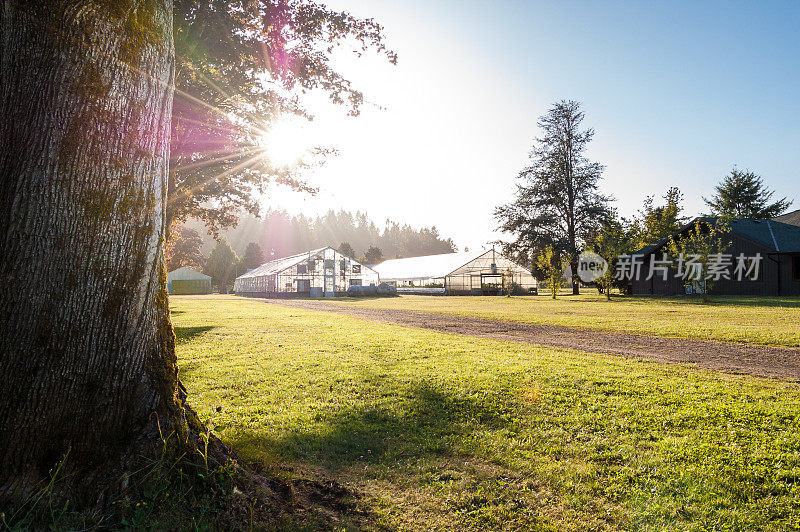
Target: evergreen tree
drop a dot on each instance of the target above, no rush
(221, 265)
(346, 249)
(557, 202)
(253, 257)
(374, 255)
(744, 195)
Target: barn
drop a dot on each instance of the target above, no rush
(482, 273)
(186, 281)
(776, 242)
(792, 218)
(322, 272)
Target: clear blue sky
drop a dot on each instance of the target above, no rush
(678, 92)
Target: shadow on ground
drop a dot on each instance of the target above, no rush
(427, 422)
(184, 334)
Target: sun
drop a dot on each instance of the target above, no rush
(285, 142)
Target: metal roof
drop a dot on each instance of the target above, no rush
(791, 218)
(772, 234)
(427, 267)
(186, 274)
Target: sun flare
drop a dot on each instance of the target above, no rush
(285, 142)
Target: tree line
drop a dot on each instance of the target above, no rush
(558, 209)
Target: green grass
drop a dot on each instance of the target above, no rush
(439, 431)
(770, 321)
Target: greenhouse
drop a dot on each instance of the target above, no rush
(483, 273)
(186, 281)
(322, 272)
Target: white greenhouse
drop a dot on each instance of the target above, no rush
(470, 273)
(322, 272)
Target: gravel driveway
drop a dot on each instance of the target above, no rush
(763, 361)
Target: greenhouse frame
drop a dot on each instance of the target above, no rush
(483, 273)
(322, 272)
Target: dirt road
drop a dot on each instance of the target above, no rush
(764, 361)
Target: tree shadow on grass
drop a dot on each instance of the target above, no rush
(184, 334)
(424, 421)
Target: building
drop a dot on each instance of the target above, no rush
(792, 218)
(322, 272)
(186, 281)
(483, 273)
(776, 242)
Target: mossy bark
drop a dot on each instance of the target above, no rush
(86, 346)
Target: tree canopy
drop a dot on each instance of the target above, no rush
(660, 221)
(184, 249)
(744, 195)
(240, 64)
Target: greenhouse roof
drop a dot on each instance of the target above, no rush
(278, 265)
(427, 267)
(186, 274)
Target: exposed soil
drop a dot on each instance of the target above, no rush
(763, 361)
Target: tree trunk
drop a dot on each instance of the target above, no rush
(87, 350)
(573, 264)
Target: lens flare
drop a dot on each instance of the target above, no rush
(285, 142)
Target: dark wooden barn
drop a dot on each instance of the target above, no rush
(777, 241)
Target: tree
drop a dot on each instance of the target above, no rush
(87, 350)
(184, 248)
(374, 255)
(658, 222)
(223, 108)
(222, 265)
(558, 203)
(744, 195)
(90, 385)
(552, 264)
(253, 257)
(615, 238)
(346, 249)
(694, 252)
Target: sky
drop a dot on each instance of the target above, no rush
(677, 93)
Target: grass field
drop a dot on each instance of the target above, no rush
(770, 321)
(439, 431)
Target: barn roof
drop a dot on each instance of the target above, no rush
(774, 235)
(426, 267)
(278, 265)
(186, 274)
(791, 218)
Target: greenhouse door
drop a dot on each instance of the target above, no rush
(491, 284)
(476, 283)
(303, 286)
(330, 283)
